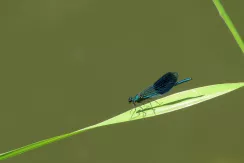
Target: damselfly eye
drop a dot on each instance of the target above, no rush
(130, 99)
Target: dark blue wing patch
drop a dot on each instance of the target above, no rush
(161, 86)
(166, 82)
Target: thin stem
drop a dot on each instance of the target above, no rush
(229, 23)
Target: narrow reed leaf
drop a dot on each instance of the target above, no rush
(161, 106)
(229, 23)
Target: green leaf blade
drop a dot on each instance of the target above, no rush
(176, 101)
(163, 105)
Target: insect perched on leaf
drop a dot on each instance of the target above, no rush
(160, 87)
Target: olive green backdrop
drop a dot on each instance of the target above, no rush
(66, 65)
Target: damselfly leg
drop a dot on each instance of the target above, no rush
(135, 111)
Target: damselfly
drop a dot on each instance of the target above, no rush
(160, 87)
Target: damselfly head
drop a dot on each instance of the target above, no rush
(130, 99)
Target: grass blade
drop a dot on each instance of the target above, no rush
(229, 23)
(161, 106)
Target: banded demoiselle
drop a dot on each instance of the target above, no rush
(160, 87)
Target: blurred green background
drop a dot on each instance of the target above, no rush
(66, 65)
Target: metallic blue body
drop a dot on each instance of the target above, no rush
(183, 81)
